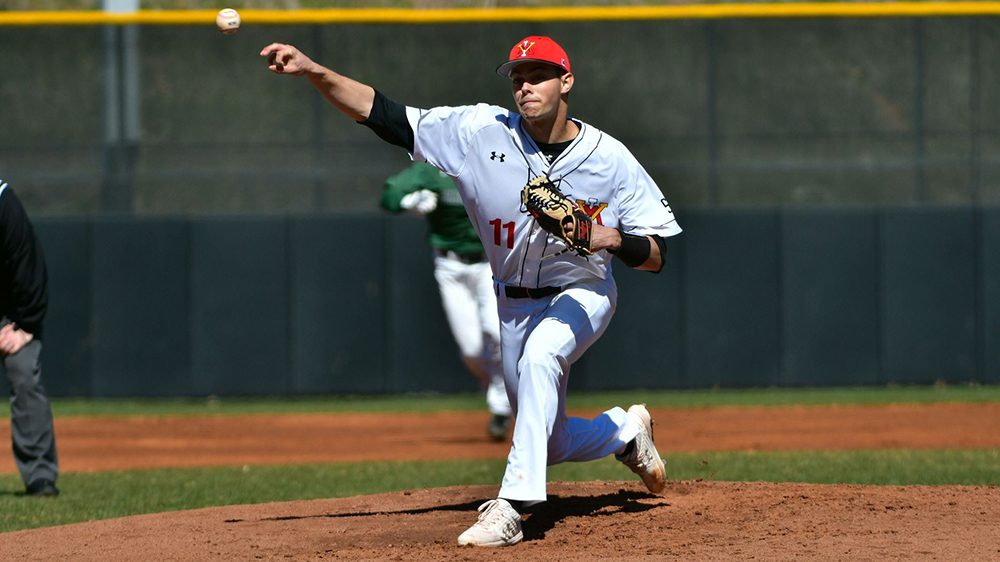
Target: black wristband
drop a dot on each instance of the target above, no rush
(634, 250)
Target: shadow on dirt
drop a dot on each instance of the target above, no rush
(545, 516)
(467, 506)
(542, 517)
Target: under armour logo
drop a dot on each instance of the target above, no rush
(494, 156)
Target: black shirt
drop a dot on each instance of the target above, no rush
(23, 278)
(553, 150)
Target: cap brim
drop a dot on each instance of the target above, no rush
(505, 69)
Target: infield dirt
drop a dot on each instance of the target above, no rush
(693, 520)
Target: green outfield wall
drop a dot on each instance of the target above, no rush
(346, 303)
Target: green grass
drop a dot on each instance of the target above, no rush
(91, 496)
(589, 400)
(889, 467)
(102, 495)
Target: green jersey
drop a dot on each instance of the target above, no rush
(449, 224)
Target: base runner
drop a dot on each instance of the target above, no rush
(463, 277)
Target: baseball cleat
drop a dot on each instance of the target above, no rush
(643, 459)
(499, 525)
(498, 426)
(42, 489)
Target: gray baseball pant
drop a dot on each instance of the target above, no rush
(31, 428)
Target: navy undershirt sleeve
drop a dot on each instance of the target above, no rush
(388, 120)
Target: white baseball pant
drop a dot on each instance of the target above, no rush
(541, 338)
(471, 308)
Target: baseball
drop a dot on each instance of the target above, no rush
(228, 20)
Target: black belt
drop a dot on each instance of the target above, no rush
(464, 258)
(527, 293)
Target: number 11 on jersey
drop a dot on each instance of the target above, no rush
(498, 229)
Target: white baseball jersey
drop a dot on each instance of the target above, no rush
(491, 157)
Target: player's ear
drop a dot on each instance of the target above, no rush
(566, 83)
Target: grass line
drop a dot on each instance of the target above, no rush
(102, 495)
(590, 400)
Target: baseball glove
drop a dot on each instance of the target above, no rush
(558, 214)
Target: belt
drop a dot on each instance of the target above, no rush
(464, 258)
(528, 293)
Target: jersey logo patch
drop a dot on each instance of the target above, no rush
(495, 156)
(593, 209)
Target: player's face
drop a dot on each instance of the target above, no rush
(538, 88)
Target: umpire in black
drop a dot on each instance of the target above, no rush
(23, 301)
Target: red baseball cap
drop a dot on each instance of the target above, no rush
(535, 48)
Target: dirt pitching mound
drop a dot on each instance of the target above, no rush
(581, 521)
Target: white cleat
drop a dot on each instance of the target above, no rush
(643, 459)
(499, 525)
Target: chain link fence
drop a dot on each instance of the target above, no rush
(165, 119)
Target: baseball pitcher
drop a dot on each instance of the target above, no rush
(554, 200)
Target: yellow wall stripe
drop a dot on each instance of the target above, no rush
(467, 15)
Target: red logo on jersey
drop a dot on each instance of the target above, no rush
(593, 209)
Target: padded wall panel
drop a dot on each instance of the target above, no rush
(929, 295)
(239, 306)
(830, 299)
(731, 304)
(338, 305)
(989, 295)
(140, 307)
